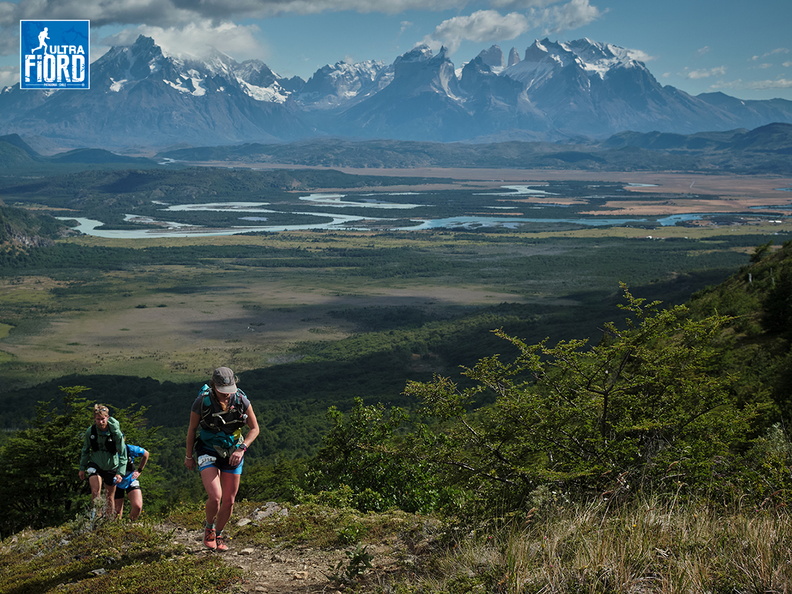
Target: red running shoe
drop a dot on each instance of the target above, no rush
(221, 542)
(210, 538)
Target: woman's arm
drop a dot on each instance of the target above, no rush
(143, 461)
(253, 426)
(189, 462)
(252, 434)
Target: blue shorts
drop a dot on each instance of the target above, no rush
(209, 459)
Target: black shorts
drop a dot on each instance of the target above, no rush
(107, 476)
(119, 494)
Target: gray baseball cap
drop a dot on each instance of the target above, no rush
(224, 380)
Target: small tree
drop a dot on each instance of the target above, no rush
(363, 456)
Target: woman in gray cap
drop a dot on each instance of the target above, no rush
(216, 445)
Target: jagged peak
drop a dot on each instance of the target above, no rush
(423, 53)
(593, 57)
(514, 57)
(492, 56)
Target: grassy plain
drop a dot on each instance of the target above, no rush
(176, 322)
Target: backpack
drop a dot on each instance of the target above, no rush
(109, 444)
(228, 421)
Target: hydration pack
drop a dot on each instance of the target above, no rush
(109, 444)
(228, 421)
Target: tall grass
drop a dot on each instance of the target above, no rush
(652, 547)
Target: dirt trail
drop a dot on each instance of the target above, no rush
(292, 569)
(272, 571)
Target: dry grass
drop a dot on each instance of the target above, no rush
(655, 548)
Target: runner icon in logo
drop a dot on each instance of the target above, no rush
(42, 37)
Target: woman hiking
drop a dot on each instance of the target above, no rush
(103, 458)
(216, 445)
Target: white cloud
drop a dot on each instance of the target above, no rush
(99, 12)
(168, 13)
(639, 55)
(485, 26)
(197, 38)
(704, 72)
(779, 83)
(481, 26)
(572, 15)
(703, 50)
(775, 52)
(173, 20)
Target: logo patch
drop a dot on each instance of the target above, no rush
(54, 55)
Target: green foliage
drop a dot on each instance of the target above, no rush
(361, 460)
(628, 151)
(645, 408)
(653, 407)
(346, 574)
(766, 469)
(281, 480)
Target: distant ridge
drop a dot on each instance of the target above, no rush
(15, 153)
(94, 155)
(762, 150)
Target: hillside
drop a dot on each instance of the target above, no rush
(23, 228)
(763, 150)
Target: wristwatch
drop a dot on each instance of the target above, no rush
(242, 446)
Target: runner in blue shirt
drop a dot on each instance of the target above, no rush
(130, 485)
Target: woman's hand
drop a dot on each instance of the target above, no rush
(235, 459)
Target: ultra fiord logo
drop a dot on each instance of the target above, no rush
(55, 54)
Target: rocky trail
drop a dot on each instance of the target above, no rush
(282, 569)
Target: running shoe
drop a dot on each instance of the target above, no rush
(221, 542)
(210, 538)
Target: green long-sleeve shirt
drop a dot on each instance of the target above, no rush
(115, 462)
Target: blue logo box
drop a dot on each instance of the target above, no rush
(54, 55)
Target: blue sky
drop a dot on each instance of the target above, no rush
(741, 48)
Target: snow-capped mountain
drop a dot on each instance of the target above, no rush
(139, 97)
(342, 84)
(142, 98)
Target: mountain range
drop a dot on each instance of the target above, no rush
(141, 99)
